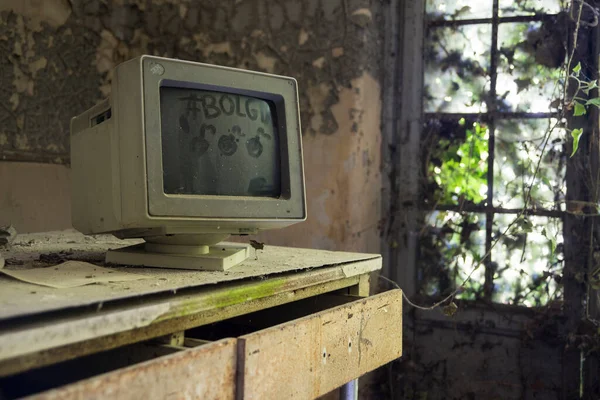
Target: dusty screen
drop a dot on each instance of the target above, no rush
(216, 143)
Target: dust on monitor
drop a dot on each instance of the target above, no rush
(218, 143)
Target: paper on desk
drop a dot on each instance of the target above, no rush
(71, 274)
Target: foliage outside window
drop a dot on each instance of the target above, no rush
(493, 150)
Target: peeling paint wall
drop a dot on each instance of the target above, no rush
(483, 352)
(343, 175)
(60, 54)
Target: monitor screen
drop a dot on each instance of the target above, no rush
(218, 143)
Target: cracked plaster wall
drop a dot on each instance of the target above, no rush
(59, 55)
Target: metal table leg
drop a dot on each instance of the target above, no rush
(349, 391)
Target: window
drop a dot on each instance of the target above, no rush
(493, 150)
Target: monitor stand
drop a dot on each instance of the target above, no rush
(201, 252)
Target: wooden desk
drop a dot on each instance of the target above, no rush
(286, 323)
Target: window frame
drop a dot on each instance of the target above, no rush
(491, 117)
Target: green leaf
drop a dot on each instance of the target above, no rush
(590, 85)
(522, 84)
(464, 10)
(579, 109)
(576, 133)
(594, 102)
(450, 309)
(577, 69)
(552, 241)
(594, 284)
(525, 225)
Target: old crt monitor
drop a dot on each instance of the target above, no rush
(183, 155)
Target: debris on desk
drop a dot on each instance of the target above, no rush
(257, 245)
(70, 274)
(13, 261)
(7, 235)
(55, 258)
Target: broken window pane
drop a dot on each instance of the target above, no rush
(530, 59)
(458, 9)
(519, 145)
(527, 261)
(530, 7)
(456, 151)
(451, 245)
(457, 61)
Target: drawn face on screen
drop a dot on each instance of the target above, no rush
(216, 143)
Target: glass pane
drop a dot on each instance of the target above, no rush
(527, 260)
(457, 153)
(457, 61)
(451, 245)
(530, 7)
(458, 9)
(216, 143)
(519, 145)
(529, 73)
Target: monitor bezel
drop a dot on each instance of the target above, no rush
(281, 91)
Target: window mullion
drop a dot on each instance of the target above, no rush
(488, 286)
(475, 21)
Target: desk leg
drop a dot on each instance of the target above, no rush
(349, 391)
